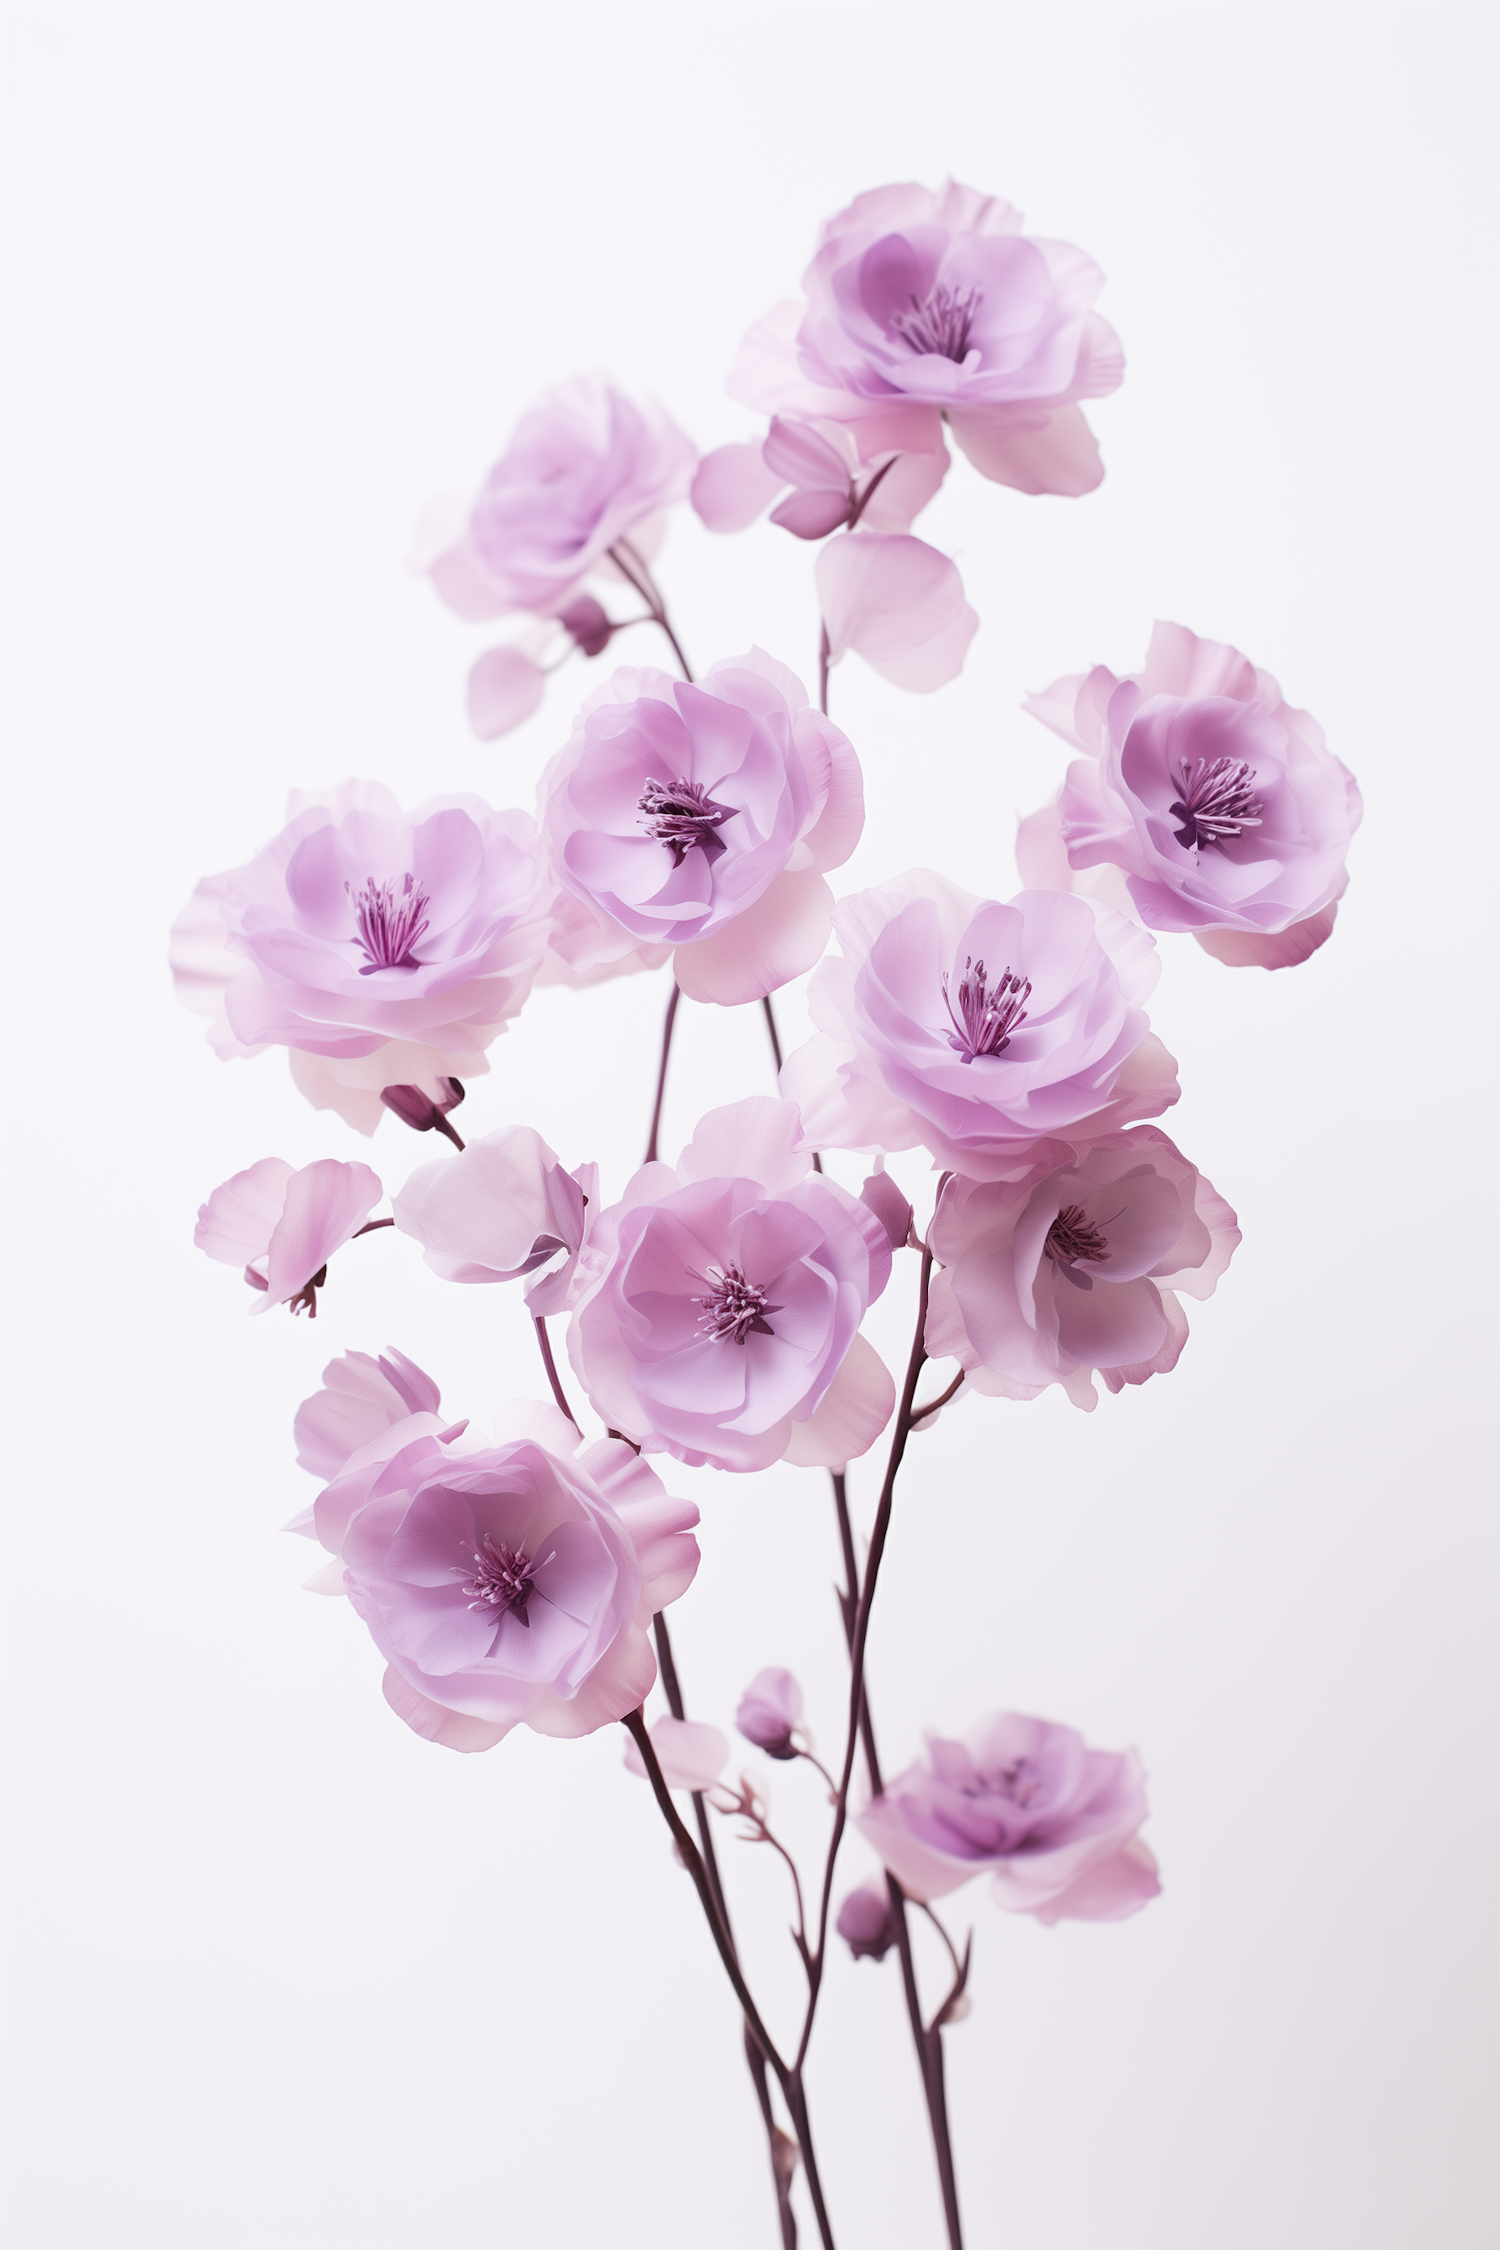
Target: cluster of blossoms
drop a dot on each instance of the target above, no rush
(715, 1305)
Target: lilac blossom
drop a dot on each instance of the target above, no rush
(770, 1711)
(922, 307)
(359, 1399)
(1053, 1823)
(281, 1225)
(976, 1028)
(501, 1210)
(721, 1301)
(1075, 1267)
(509, 1583)
(383, 948)
(1214, 799)
(702, 817)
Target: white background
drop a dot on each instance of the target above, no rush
(287, 1975)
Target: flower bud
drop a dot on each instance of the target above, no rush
(867, 1921)
(769, 1710)
(419, 1110)
(589, 623)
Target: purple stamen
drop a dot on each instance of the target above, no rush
(940, 322)
(390, 923)
(681, 814)
(1074, 1240)
(1218, 800)
(985, 1019)
(734, 1307)
(502, 1579)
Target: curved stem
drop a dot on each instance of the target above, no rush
(858, 1638)
(870, 491)
(370, 1227)
(941, 1400)
(638, 573)
(661, 1075)
(927, 2042)
(551, 1366)
(825, 652)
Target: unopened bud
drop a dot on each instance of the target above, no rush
(419, 1110)
(867, 1921)
(589, 623)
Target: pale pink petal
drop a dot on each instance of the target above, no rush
(881, 1195)
(759, 1138)
(1041, 854)
(455, 1730)
(813, 513)
(897, 603)
(732, 486)
(691, 1755)
(853, 1411)
(619, 1682)
(777, 938)
(904, 490)
(325, 1204)
(1061, 457)
(505, 687)
(327, 1579)
(1282, 949)
(235, 1225)
(1107, 1892)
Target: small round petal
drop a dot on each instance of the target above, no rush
(505, 687)
(850, 1416)
(732, 486)
(1059, 455)
(899, 604)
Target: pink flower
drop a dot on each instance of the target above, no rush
(282, 1226)
(1051, 1821)
(586, 946)
(1075, 1266)
(508, 1584)
(586, 467)
(1215, 799)
(690, 1754)
(383, 948)
(976, 1028)
(769, 1712)
(923, 305)
(723, 1298)
(360, 1399)
(502, 1209)
(831, 481)
(703, 818)
(897, 603)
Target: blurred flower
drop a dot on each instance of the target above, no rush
(690, 1754)
(769, 1711)
(867, 1921)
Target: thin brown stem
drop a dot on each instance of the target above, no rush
(370, 1227)
(934, 1403)
(870, 491)
(636, 570)
(825, 656)
(545, 1343)
(661, 1075)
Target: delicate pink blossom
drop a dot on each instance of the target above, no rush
(867, 1921)
(702, 817)
(282, 1225)
(586, 946)
(899, 604)
(922, 306)
(1212, 796)
(502, 1209)
(383, 948)
(691, 1755)
(510, 1583)
(723, 1299)
(977, 1028)
(1052, 1822)
(359, 1400)
(587, 466)
(770, 1711)
(831, 483)
(1075, 1266)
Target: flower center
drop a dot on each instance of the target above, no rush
(390, 923)
(940, 322)
(1218, 800)
(986, 1015)
(1018, 1784)
(501, 1580)
(733, 1307)
(680, 814)
(1073, 1238)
